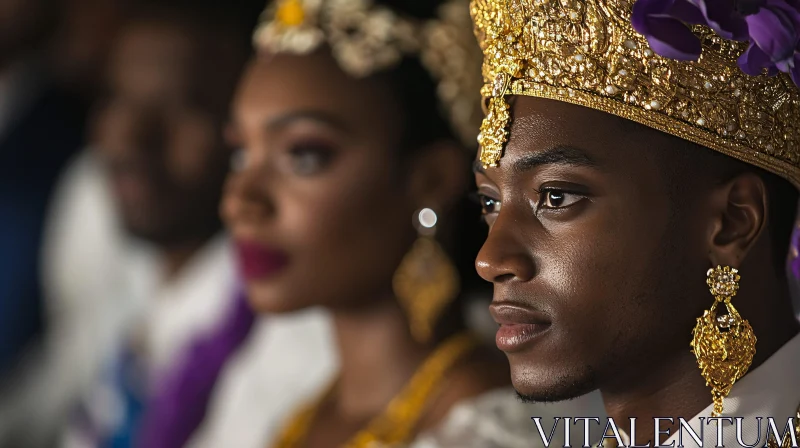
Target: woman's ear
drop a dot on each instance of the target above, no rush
(438, 175)
(739, 211)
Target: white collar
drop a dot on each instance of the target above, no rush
(771, 390)
(192, 303)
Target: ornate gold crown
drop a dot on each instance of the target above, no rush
(366, 39)
(587, 53)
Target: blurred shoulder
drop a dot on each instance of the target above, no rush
(499, 419)
(484, 370)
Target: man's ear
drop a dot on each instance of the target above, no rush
(438, 175)
(739, 212)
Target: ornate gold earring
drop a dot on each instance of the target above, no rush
(723, 344)
(426, 280)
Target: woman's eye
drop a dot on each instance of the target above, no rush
(555, 199)
(308, 159)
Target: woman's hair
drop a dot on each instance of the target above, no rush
(424, 123)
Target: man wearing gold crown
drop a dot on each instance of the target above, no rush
(636, 156)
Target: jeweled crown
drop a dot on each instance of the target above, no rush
(587, 53)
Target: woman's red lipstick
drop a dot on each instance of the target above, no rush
(259, 262)
(518, 326)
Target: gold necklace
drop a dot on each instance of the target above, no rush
(396, 423)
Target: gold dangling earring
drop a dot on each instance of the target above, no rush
(426, 280)
(724, 345)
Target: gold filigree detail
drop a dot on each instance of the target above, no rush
(494, 128)
(365, 39)
(587, 53)
(425, 282)
(724, 344)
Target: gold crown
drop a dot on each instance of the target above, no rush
(587, 53)
(366, 39)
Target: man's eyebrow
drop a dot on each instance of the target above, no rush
(558, 155)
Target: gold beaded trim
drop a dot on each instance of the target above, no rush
(656, 121)
(587, 53)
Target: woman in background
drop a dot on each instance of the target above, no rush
(354, 119)
(151, 339)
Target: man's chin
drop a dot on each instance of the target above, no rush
(156, 231)
(145, 227)
(550, 388)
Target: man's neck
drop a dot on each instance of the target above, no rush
(177, 256)
(674, 387)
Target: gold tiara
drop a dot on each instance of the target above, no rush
(587, 53)
(366, 39)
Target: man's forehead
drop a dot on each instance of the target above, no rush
(539, 118)
(540, 125)
(546, 131)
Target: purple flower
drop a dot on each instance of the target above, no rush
(771, 26)
(754, 61)
(663, 23)
(775, 34)
(722, 17)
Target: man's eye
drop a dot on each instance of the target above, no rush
(488, 205)
(555, 199)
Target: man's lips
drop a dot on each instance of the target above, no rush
(518, 325)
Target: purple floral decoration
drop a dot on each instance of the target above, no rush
(772, 27)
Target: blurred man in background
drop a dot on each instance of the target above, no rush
(135, 264)
(149, 331)
(159, 153)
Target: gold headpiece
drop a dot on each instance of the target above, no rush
(366, 39)
(587, 53)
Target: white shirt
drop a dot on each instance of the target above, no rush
(162, 317)
(498, 419)
(771, 390)
(287, 361)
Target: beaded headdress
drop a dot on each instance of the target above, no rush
(366, 38)
(589, 53)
